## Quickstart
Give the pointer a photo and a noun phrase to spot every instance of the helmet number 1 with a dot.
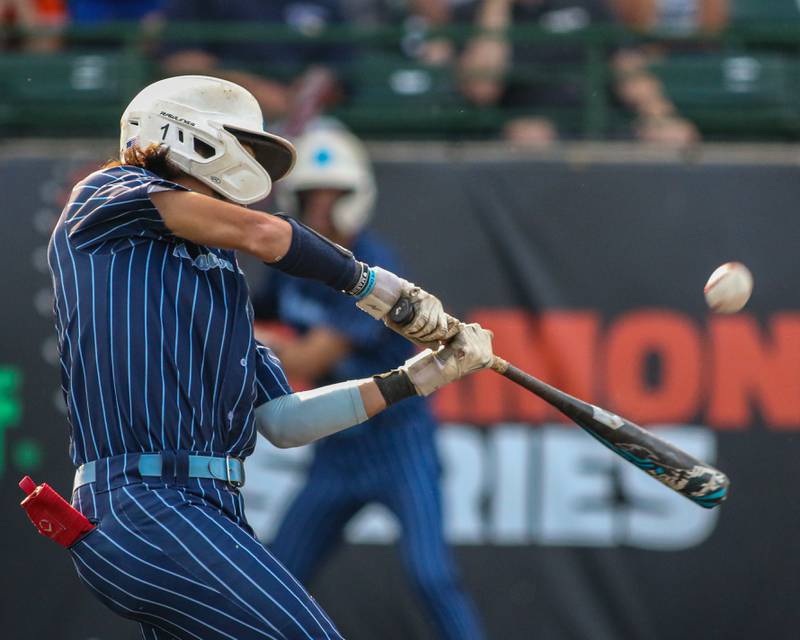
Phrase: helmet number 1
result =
(165, 128)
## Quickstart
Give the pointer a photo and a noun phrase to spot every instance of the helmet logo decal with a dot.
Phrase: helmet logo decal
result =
(323, 157)
(166, 114)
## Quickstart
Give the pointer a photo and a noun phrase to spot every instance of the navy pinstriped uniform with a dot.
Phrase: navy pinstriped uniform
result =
(158, 355)
(390, 459)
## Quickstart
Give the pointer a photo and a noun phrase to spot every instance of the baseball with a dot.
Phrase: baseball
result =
(729, 288)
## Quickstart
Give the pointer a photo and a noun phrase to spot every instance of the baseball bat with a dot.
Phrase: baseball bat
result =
(313, 93)
(673, 467)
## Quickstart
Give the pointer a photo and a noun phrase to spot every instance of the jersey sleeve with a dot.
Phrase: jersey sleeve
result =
(271, 381)
(114, 204)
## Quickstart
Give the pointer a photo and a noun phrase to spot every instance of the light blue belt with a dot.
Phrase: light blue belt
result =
(227, 469)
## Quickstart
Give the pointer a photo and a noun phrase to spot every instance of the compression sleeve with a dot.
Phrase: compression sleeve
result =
(300, 418)
(313, 256)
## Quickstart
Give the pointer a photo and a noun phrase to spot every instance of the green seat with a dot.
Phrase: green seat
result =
(67, 94)
(748, 11)
(738, 94)
(393, 95)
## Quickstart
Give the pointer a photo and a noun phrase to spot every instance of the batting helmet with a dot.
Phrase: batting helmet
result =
(204, 122)
(329, 156)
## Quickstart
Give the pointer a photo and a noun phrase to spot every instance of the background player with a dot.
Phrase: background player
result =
(164, 382)
(392, 458)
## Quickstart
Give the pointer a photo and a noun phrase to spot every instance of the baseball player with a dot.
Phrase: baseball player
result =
(166, 386)
(391, 459)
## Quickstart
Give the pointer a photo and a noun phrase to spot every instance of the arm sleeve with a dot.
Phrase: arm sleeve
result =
(116, 204)
(301, 418)
(271, 381)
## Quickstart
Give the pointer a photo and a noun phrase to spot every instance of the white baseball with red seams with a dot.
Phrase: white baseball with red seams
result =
(729, 288)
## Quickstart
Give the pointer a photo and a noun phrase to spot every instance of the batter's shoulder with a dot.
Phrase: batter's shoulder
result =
(122, 175)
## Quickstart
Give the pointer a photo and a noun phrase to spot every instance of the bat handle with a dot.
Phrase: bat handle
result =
(402, 312)
(499, 365)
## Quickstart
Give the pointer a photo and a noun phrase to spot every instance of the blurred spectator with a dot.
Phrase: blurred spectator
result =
(677, 16)
(489, 58)
(47, 15)
(384, 12)
(418, 17)
(636, 86)
(274, 72)
(94, 11)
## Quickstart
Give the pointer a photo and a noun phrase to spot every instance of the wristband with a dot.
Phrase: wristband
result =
(395, 385)
(366, 283)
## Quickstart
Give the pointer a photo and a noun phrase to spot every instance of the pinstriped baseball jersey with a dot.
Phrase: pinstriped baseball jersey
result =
(155, 333)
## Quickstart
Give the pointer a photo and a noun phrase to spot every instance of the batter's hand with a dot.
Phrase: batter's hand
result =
(430, 324)
(469, 351)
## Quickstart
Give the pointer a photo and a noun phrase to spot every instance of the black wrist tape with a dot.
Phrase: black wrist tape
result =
(313, 256)
(395, 385)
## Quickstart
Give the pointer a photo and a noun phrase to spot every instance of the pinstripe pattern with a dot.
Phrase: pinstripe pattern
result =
(158, 355)
(188, 567)
(157, 351)
(391, 459)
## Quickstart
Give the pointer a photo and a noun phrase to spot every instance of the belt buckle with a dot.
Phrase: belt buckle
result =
(236, 484)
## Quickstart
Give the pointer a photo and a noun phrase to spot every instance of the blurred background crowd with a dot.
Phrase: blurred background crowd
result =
(533, 72)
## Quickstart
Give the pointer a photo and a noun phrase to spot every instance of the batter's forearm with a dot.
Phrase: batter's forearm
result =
(211, 222)
(304, 417)
(281, 242)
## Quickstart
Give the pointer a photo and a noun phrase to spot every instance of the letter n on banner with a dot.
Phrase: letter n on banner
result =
(673, 341)
(751, 370)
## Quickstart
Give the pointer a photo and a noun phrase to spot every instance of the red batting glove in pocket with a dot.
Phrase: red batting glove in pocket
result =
(53, 516)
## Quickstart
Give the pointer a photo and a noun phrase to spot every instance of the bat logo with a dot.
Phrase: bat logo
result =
(611, 420)
(699, 481)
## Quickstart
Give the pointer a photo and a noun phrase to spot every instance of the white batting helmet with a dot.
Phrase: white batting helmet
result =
(329, 156)
(204, 122)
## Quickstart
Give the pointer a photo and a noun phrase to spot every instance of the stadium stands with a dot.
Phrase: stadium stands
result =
(746, 85)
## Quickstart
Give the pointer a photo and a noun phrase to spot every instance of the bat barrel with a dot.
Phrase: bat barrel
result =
(673, 467)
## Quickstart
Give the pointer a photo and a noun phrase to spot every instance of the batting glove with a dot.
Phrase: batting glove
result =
(469, 351)
(430, 324)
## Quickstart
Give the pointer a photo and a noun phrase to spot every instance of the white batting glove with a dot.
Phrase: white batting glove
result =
(430, 323)
(470, 350)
